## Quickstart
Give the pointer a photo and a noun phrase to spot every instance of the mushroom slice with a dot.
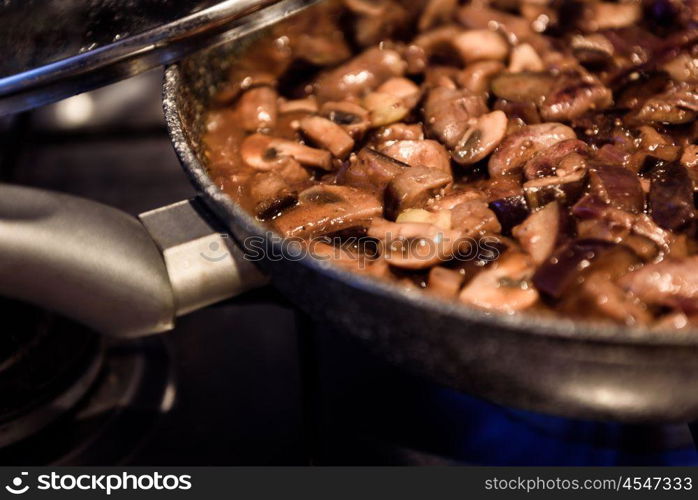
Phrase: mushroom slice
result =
(517, 148)
(525, 58)
(474, 218)
(385, 109)
(671, 283)
(270, 194)
(257, 108)
(412, 188)
(263, 152)
(419, 154)
(439, 218)
(436, 12)
(504, 287)
(350, 116)
(327, 134)
(325, 209)
(481, 138)
(385, 136)
(443, 282)
(573, 96)
(525, 86)
(564, 189)
(361, 75)
(478, 16)
(447, 113)
(415, 245)
(560, 159)
(689, 158)
(372, 170)
(402, 88)
(592, 49)
(481, 45)
(543, 231)
(599, 16)
(307, 105)
(476, 77)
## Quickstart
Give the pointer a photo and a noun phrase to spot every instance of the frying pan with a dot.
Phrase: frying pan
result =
(129, 277)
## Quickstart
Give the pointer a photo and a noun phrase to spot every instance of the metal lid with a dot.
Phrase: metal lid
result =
(52, 49)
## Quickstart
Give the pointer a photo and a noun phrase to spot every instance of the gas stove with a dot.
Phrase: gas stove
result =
(248, 382)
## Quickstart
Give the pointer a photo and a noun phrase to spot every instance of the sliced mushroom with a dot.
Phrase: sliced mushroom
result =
(566, 189)
(270, 194)
(525, 86)
(592, 49)
(481, 45)
(504, 287)
(517, 148)
(350, 116)
(447, 113)
(263, 152)
(566, 156)
(475, 15)
(325, 209)
(372, 170)
(671, 283)
(477, 76)
(327, 134)
(444, 282)
(461, 47)
(525, 58)
(598, 16)
(543, 231)
(385, 136)
(308, 105)
(412, 188)
(257, 109)
(377, 20)
(402, 88)
(385, 109)
(436, 12)
(474, 218)
(415, 245)
(439, 218)
(689, 158)
(574, 95)
(419, 154)
(359, 76)
(676, 105)
(481, 138)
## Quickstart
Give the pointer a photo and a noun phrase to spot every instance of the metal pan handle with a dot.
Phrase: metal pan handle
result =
(112, 272)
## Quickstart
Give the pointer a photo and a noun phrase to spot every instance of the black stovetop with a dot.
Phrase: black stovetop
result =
(250, 381)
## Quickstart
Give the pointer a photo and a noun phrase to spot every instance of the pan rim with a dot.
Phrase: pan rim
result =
(532, 325)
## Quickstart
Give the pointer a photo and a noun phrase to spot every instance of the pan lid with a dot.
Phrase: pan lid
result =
(52, 49)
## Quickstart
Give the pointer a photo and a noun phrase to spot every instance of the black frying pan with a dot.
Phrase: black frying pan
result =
(119, 283)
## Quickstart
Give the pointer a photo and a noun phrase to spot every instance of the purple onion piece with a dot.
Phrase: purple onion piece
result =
(562, 270)
(511, 211)
(671, 197)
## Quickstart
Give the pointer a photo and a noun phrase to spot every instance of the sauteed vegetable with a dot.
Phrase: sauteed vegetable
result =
(514, 155)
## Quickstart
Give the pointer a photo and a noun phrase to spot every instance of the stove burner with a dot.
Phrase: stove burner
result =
(45, 369)
(71, 397)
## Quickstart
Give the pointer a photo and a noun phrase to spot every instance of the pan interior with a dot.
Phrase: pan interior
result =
(188, 91)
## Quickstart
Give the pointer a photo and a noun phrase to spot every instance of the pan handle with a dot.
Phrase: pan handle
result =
(112, 272)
